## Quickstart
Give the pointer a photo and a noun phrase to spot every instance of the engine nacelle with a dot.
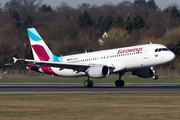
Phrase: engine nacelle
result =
(98, 71)
(143, 73)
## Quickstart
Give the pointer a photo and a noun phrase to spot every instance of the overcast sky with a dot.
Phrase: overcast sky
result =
(74, 3)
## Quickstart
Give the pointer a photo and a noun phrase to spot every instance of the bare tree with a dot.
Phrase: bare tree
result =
(156, 26)
(124, 9)
(83, 7)
(166, 20)
(64, 9)
(0, 6)
(107, 9)
(13, 5)
(32, 5)
(94, 10)
(23, 7)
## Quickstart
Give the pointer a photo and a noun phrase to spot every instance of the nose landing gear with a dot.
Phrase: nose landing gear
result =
(155, 77)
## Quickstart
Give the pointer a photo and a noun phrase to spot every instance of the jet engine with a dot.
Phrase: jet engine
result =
(98, 71)
(143, 73)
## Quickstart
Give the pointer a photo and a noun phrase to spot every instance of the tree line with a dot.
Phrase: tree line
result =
(69, 30)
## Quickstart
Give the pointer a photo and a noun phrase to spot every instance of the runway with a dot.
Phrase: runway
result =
(99, 88)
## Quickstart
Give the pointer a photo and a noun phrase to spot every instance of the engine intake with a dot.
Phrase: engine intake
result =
(98, 71)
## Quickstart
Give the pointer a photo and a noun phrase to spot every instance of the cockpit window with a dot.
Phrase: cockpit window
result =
(164, 49)
(161, 49)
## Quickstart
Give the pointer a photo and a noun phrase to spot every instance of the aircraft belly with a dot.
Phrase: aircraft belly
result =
(68, 73)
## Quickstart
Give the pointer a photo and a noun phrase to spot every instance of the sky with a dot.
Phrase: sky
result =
(74, 3)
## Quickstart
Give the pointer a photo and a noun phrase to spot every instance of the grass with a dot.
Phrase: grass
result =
(108, 80)
(89, 106)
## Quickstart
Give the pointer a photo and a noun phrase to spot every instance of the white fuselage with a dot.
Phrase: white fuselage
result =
(122, 59)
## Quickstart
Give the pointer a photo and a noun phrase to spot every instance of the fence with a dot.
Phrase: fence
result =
(162, 73)
(24, 73)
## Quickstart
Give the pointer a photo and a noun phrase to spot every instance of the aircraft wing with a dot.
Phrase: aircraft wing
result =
(62, 65)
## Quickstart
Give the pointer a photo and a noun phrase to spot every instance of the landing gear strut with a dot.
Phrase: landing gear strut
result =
(119, 83)
(88, 83)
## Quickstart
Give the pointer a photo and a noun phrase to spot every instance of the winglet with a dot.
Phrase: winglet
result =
(150, 42)
(15, 60)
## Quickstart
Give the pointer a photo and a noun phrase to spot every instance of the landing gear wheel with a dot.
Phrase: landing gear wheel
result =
(88, 83)
(119, 83)
(155, 77)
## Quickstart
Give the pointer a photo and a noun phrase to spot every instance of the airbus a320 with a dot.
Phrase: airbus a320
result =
(141, 60)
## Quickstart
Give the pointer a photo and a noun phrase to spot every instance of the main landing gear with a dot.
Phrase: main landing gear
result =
(119, 83)
(88, 83)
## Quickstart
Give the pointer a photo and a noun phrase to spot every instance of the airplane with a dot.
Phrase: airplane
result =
(141, 60)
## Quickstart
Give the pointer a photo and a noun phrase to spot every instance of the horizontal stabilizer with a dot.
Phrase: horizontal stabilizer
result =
(24, 65)
(62, 65)
(15, 60)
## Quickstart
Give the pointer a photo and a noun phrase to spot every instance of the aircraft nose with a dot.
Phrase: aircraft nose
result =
(171, 56)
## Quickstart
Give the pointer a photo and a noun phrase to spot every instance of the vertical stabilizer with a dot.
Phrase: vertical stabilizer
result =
(39, 48)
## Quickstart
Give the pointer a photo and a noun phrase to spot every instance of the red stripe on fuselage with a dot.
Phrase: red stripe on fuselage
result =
(48, 70)
(33, 68)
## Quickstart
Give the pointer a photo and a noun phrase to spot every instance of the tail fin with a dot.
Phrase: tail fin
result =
(39, 48)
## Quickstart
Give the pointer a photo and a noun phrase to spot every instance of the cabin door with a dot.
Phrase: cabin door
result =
(145, 52)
